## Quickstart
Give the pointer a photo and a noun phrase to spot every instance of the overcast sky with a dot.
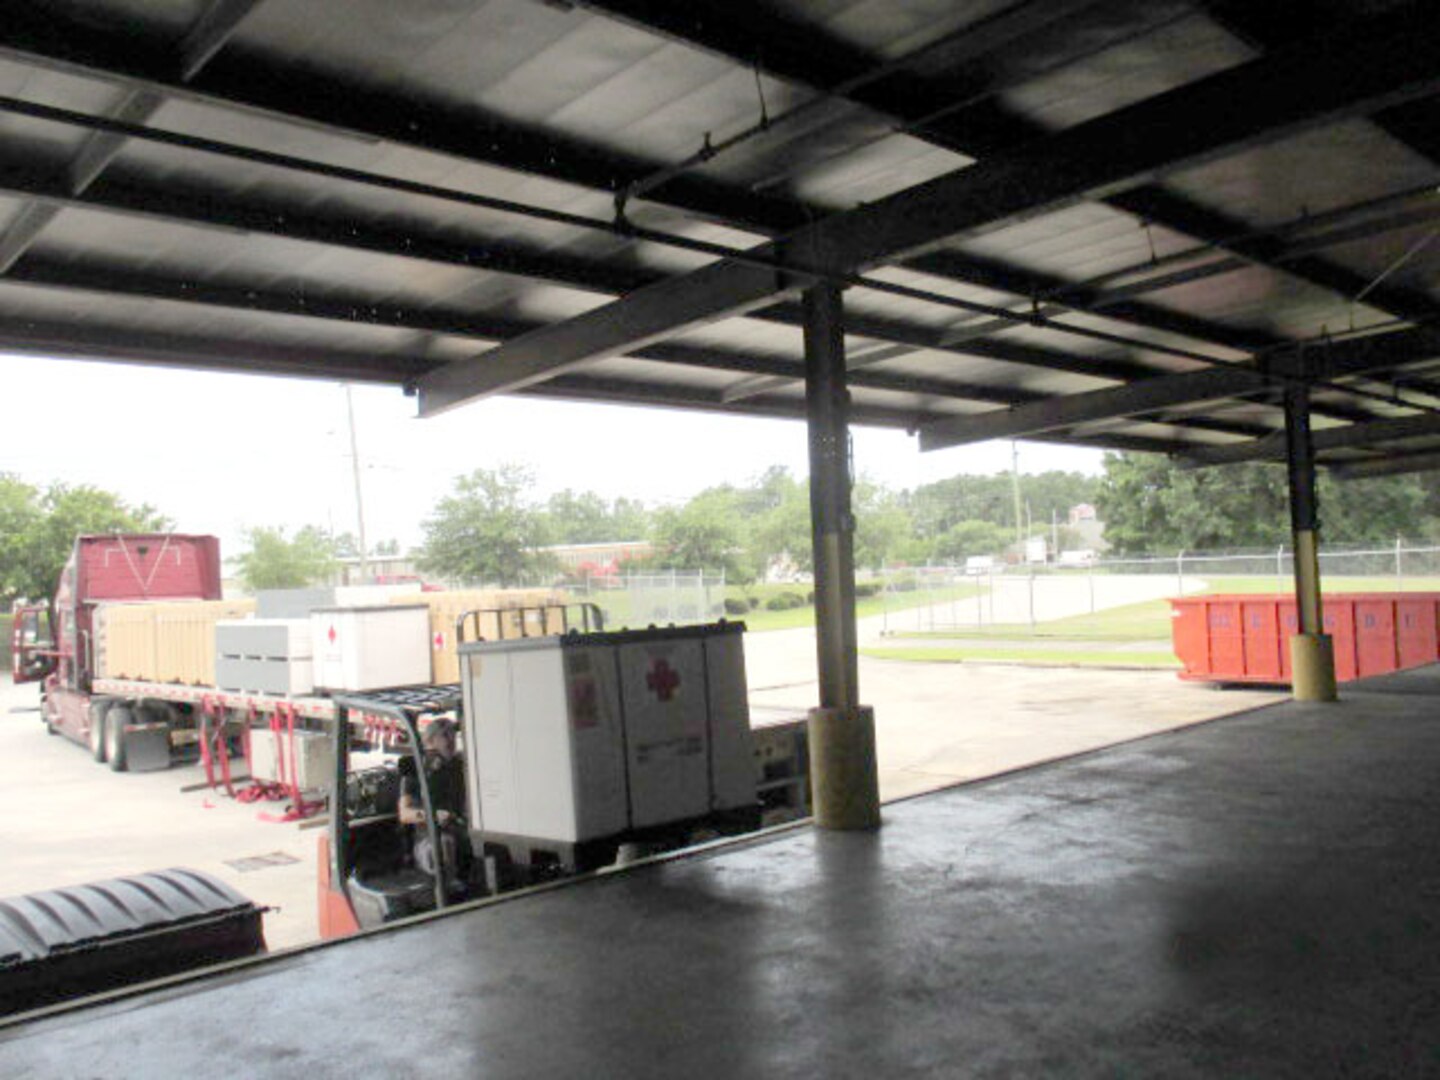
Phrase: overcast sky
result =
(222, 453)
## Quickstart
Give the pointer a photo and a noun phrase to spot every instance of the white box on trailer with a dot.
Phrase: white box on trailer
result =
(308, 757)
(370, 648)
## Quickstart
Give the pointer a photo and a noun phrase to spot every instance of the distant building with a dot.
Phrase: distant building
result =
(599, 560)
(379, 570)
(1087, 528)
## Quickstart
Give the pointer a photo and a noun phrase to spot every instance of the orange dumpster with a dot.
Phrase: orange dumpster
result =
(1246, 638)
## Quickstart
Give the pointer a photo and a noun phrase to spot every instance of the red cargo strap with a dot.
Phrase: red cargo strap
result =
(298, 809)
(213, 744)
(259, 790)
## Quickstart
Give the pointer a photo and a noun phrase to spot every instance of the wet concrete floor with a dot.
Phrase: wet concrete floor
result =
(1254, 896)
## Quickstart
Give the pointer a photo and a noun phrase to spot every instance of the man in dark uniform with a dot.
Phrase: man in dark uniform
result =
(445, 772)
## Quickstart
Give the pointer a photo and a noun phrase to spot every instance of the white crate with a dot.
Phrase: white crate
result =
(371, 648)
(574, 740)
(310, 757)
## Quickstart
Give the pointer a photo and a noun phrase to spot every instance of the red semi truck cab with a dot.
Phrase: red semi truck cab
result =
(132, 567)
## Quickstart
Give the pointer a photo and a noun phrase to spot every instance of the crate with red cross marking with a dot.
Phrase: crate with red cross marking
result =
(582, 741)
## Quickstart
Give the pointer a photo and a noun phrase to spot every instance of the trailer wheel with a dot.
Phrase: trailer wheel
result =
(99, 710)
(116, 720)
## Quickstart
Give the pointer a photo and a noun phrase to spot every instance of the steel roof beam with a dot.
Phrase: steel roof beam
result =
(578, 386)
(1426, 461)
(1271, 26)
(561, 270)
(172, 206)
(982, 126)
(1312, 83)
(45, 273)
(1086, 300)
(1360, 356)
(1370, 433)
(216, 24)
(196, 210)
(50, 41)
(65, 340)
(587, 275)
(770, 372)
(34, 35)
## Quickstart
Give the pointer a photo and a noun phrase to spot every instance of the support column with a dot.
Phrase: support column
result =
(843, 775)
(1312, 657)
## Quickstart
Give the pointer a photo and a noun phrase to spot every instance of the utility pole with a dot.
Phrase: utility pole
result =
(359, 500)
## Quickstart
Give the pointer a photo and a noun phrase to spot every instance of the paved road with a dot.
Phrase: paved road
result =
(71, 821)
(938, 724)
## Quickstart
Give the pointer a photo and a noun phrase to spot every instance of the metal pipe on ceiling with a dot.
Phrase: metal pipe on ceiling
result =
(625, 229)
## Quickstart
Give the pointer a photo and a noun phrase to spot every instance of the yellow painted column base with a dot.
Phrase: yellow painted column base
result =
(844, 782)
(1312, 668)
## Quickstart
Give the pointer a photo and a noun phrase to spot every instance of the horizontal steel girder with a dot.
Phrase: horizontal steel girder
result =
(1378, 352)
(1428, 461)
(1310, 84)
(1272, 447)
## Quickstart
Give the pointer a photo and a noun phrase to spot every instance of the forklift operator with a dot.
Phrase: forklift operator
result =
(445, 773)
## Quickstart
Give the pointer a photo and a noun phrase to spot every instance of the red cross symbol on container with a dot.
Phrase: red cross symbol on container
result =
(332, 635)
(663, 679)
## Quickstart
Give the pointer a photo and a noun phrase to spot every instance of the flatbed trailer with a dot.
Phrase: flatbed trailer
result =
(224, 717)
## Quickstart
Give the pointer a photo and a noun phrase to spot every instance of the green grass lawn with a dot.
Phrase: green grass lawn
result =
(617, 608)
(1145, 621)
(760, 619)
(1149, 620)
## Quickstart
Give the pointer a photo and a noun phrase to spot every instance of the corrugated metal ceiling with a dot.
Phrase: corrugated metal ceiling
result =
(487, 144)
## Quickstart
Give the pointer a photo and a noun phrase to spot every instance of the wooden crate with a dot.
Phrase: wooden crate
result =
(171, 641)
(446, 607)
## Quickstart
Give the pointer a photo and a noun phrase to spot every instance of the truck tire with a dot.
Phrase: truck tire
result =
(98, 711)
(116, 720)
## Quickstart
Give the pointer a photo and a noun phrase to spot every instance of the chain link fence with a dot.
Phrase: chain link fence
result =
(661, 598)
(933, 598)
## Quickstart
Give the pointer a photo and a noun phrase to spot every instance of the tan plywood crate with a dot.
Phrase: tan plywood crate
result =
(125, 641)
(172, 641)
(446, 607)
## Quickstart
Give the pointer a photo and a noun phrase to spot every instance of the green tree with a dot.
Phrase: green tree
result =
(344, 545)
(704, 534)
(38, 530)
(777, 510)
(587, 518)
(966, 538)
(884, 527)
(487, 531)
(940, 506)
(275, 562)
(1148, 503)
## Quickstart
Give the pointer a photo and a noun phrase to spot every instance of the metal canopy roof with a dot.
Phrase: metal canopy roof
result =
(1120, 223)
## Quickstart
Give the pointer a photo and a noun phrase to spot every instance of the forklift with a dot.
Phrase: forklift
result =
(577, 744)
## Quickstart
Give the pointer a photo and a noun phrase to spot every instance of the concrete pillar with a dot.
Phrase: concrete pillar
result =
(844, 779)
(1312, 657)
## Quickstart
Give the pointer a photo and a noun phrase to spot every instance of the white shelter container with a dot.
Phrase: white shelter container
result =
(583, 741)
(371, 648)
